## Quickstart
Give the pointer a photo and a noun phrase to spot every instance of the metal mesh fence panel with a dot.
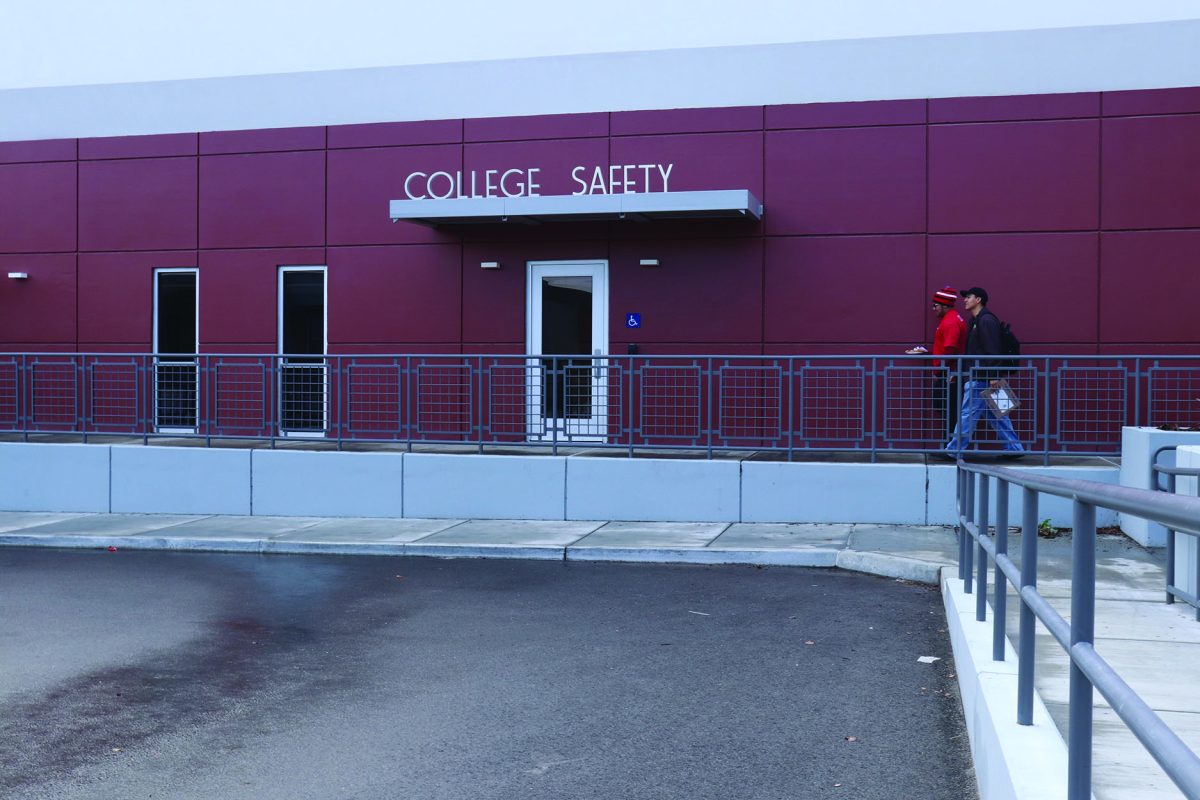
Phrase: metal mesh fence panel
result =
(444, 400)
(920, 404)
(832, 403)
(1175, 396)
(589, 386)
(751, 403)
(303, 397)
(373, 398)
(669, 402)
(54, 394)
(514, 407)
(176, 387)
(113, 395)
(1092, 405)
(240, 398)
(10, 387)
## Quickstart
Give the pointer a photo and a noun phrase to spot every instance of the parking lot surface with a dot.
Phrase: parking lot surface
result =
(182, 675)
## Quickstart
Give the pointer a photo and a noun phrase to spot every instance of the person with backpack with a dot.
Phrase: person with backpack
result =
(985, 337)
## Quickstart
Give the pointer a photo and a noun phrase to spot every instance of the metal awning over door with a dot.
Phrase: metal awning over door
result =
(717, 204)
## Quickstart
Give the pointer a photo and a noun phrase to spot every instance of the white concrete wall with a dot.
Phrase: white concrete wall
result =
(642, 489)
(484, 487)
(1137, 448)
(54, 477)
(308, 484)
(180, 480)
(787, 492)
(197, 480)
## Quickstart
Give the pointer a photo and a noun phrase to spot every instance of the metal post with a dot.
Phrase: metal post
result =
(339, 402)
(555, 366)
(1029, 553)
(960, 502)
(985, 485)
(874, 377)
(708, 425)
(1170, 572)
(476, 381)
(1137, 392)
(627, 410)
(790, 394)
(1000, 599)
(1083, 624)
(82, 395)
(967, 551)
(275, 376)
(1045, 412)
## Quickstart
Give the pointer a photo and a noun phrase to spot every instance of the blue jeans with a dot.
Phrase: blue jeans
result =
(973, 407)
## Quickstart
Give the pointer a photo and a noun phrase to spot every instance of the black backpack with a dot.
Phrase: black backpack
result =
(1010, 346)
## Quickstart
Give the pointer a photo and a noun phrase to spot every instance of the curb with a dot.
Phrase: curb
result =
(532, 552)
(706, 555)
(1012, 762)
(871, 563)
(889, 566)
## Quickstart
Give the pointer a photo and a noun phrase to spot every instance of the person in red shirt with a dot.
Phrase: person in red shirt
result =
(950, 338)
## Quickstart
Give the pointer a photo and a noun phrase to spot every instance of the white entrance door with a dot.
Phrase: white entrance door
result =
(567, 335)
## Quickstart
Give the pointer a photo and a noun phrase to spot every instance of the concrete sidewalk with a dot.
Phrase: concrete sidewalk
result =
(1153, 646)
(893, 551)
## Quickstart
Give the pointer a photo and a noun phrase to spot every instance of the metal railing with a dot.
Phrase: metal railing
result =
(1088, 668)
(1067, 404)
(1173, 473)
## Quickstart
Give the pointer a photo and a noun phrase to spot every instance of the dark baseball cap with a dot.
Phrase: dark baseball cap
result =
(979, 292)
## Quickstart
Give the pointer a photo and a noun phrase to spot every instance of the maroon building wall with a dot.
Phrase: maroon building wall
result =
(1080, 214)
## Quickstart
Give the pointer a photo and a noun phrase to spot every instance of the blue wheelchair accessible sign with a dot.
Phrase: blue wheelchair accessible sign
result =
(633, 320)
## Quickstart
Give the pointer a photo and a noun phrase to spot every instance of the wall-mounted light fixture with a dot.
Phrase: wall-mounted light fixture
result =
(18, 276)
(489, 265)
(648, 262)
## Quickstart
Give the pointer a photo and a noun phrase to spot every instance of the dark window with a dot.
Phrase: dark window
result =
(176, 312)
(567, 330)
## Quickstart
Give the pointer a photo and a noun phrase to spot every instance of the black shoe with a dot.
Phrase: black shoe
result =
(942, 457)
(1015, 455)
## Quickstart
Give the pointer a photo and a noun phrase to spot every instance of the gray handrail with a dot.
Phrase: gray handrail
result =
(1182, 513)
(1088, 668)
(1173, 473)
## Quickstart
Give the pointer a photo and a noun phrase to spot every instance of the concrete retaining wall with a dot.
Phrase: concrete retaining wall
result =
(179, 480)
(306, 484)
(54, 477)
(653, 489)
(197, 480)
(484, 487)
(787, 492)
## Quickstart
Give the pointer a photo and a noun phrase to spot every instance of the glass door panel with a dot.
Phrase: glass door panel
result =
(176, 380)
(303, 373)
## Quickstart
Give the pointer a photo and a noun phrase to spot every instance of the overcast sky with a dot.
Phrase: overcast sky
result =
(66, 42)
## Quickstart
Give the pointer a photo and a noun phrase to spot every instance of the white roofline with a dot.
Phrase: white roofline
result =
(1137, 56)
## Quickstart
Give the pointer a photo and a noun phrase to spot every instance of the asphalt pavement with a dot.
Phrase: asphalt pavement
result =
(150, 674)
